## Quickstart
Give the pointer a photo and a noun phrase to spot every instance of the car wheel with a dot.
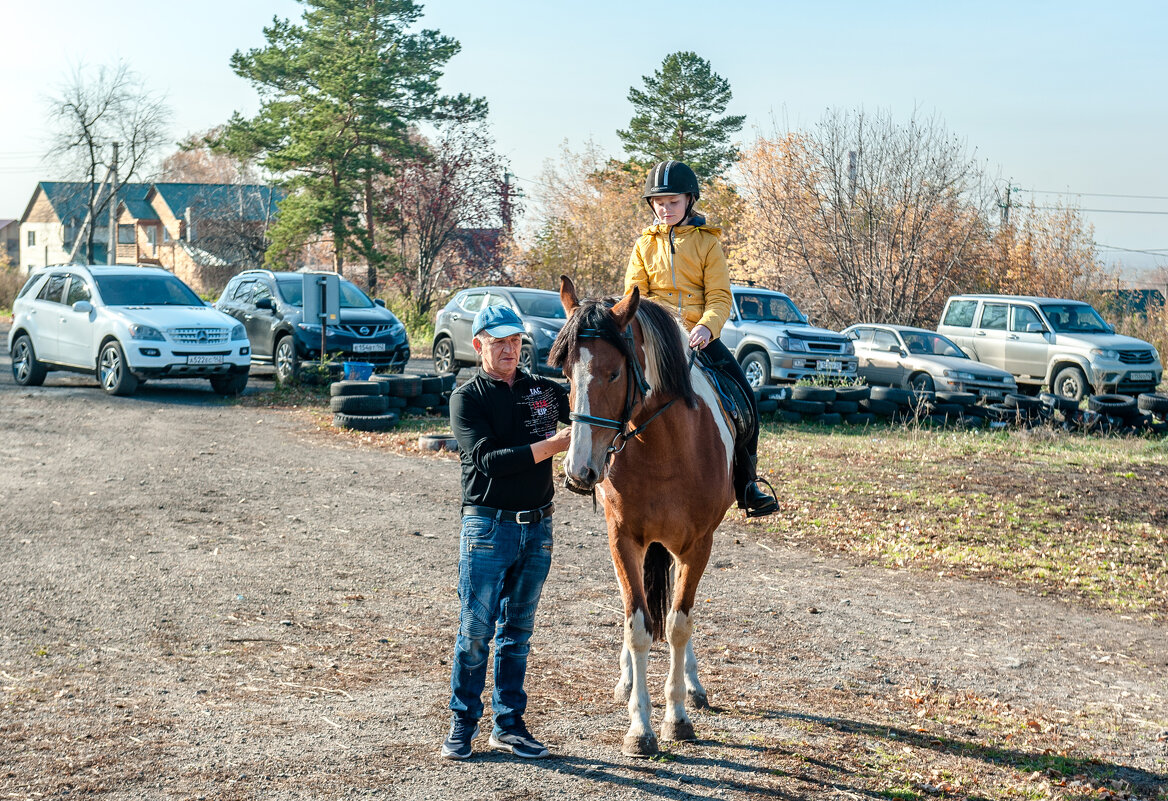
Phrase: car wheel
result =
(921, 382)
(26, 368)
(527, 358)
(1071, 383)
(757, 369)
(444, 361)
(113, 373)
(229, 385)
(287, 360)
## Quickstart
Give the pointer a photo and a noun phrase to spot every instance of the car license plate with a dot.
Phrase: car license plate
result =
(368, 347)
(215, 359)
(1140, 376)
(829, 364)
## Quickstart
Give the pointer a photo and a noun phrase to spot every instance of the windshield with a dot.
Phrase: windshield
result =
(537, 304)
(1074, 318)
(292, 291)
(145, 290)
(931, 344)
(768, 308)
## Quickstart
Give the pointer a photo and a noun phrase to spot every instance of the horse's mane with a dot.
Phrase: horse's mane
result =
(666, 365)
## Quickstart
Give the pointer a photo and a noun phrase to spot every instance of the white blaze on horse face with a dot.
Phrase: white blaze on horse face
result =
(704, 390)
(581, 453)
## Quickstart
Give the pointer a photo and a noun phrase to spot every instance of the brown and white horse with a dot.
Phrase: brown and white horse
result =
(649, 435)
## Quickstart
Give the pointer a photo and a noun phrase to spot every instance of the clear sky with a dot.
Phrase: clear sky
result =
(1059, 96)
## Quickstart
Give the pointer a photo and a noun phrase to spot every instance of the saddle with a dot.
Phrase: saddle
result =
(735, 404)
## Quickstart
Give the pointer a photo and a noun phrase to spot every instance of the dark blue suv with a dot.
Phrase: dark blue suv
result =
(271, 306)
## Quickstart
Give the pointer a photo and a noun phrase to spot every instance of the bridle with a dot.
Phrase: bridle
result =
(635, 384)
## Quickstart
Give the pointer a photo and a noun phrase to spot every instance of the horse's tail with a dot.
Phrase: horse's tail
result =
(658, 577)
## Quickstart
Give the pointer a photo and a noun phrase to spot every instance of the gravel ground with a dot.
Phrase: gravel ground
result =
(204, 600)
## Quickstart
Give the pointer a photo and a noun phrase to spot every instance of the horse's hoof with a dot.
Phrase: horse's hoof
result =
(679, 731)
(622, 693)
(698, 700)
(640, 747)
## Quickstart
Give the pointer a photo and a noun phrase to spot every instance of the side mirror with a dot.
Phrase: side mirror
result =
(265, 303)
(379, 302)
(894, 349)
(1035, 328)
(83, 307)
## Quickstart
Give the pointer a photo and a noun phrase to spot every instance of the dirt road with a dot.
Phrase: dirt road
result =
(202, 600)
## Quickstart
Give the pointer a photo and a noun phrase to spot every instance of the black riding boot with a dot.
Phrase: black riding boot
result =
(751, 496)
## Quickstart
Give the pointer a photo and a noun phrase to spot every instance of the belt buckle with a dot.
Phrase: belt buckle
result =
(527, 517)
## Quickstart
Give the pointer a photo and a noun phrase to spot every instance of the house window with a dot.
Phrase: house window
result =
(152, 239)
(32, 239)
(165, 234)
(126, 234)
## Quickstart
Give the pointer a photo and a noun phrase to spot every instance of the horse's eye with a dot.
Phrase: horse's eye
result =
(612, 378)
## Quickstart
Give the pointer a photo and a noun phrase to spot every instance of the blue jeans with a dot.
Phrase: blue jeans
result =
(501, 571)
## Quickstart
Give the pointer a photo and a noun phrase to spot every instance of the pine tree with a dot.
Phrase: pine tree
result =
(677, 117)
(339, 93)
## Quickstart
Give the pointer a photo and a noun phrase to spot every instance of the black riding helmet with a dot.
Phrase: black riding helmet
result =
(672, 178)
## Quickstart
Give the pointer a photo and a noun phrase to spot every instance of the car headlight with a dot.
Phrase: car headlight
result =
(238, 332)
(310, 327)
(960, 375)
(550, 333)
(791, 345)
(849, 348)
(1106, 353)
(148, 332)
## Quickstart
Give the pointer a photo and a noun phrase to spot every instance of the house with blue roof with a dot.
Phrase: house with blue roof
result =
(204, 233)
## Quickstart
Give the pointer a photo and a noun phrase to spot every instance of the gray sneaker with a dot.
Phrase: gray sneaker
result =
(518, 740)
(457, 744)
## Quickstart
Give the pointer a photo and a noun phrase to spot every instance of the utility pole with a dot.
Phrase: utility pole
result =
(112, 250)
(1006, 207)
(506, 206)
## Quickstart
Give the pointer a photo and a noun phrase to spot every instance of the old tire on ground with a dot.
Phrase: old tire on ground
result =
(365, 422)
(767, 406)
(1121, 406)
(437, 442)
(808, 408)
(113, 373)
(426, 400)
(403, 386)
(1153, 402)
(828, 419)
(788, 416)
(882, 408)
(757, 368)
(27, 369)
(228, 385)
(359, 404)
(901, 397)
(963, 398)
(346, 388)
(432, 385)
(860, 419)
(1071, 382)
(844, 407)
(854, 393)
(802, 392)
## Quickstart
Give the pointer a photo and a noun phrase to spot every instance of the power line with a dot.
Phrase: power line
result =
(1095, 211)
(1149, 251)
(1090, 194)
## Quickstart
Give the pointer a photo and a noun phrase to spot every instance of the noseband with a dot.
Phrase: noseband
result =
(635, 384)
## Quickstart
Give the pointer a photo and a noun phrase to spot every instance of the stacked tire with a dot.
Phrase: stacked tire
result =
(361, 406)
(417, 396)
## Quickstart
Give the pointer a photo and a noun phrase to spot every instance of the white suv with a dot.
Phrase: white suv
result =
(1064, 344)
(123, 324)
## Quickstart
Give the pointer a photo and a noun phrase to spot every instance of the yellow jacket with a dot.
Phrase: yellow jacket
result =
(691, 277)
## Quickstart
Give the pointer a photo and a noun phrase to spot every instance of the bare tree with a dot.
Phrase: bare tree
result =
(93, 109)
(196, 162)
(448, 215)
(878, 219)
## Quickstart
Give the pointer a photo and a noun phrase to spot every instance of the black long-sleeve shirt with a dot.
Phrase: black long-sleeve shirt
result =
(495, 425)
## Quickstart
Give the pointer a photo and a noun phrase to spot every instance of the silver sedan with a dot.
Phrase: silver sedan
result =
(917, 358)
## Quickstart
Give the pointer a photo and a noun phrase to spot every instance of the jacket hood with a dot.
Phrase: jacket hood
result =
(696, 222)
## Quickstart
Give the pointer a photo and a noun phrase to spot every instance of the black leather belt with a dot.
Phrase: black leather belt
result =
(525, 518)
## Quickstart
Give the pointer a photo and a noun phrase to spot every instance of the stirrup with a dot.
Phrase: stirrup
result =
(766, 509)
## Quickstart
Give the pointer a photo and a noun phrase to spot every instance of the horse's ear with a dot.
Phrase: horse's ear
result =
(568, 295)
(624, 310)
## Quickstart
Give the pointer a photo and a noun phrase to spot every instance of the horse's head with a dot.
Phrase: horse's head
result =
(595, 358)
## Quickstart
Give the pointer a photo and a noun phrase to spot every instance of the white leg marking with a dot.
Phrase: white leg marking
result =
(637, 642)
(678, 630)
(692, 684)
(624, 687)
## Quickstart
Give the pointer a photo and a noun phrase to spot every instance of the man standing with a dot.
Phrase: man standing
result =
(505, 422)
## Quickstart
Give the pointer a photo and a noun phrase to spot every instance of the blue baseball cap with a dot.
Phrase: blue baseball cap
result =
(498, 321)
